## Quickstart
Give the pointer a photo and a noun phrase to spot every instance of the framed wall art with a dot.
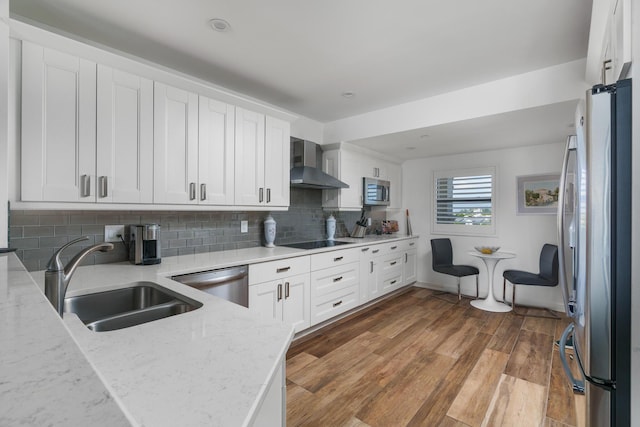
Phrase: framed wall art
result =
(538, 194)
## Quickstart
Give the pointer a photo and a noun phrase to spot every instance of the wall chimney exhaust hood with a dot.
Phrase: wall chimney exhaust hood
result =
(306, 167)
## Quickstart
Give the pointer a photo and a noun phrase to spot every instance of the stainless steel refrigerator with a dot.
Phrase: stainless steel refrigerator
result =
(594, 228)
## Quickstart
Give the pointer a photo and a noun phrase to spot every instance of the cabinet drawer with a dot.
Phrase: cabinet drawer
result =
(408, 244)
(333, 279)
(333, 258)
(335, 303)
(392, 247)
(274, 270)
(391, 263)
(391, 281)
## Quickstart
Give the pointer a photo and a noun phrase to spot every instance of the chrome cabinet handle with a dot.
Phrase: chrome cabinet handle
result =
(286, 290)
(283, 269)
(394, 247)
(371, 266)
(412, 243)
(394, 263)
(338, 259)
(337, 279)
(606, 65)
(364, 249)
(203, 191)
(376, 251)
(102, 184)
(192, 191)
(335, 304)
(260, 195)
(279, 291)
(406, 258)
(393, 282)
(85, 185)
(268, 195)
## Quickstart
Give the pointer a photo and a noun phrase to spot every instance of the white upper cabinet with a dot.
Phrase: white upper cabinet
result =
(114, 131)
(616, 47)
(277, 161)
(58, 126)
(216, 152)
(351, 167)
(261, 160)
(621, 38)
(175, 145)
(124, 163)
(249, 171)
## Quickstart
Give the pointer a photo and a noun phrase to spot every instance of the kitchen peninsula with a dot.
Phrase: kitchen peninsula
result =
(218, 365)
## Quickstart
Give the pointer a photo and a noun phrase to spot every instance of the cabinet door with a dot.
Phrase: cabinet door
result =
(249, 161)
(352, 170)
(331, 166)
(266, 299)
(124, 164)
(410, 269)
(58, 126)
(216, 152)
(297, 302)
(175, 145)
(277, 162)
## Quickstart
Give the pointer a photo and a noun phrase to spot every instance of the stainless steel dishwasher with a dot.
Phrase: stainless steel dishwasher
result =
(230, 283)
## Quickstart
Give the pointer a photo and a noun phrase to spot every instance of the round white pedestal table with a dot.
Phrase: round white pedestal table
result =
(490, 261)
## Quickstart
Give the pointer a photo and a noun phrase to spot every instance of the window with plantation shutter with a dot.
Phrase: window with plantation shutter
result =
(464, 202)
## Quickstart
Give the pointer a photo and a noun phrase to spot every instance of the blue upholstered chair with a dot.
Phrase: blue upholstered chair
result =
(442, 262)
(548, 276)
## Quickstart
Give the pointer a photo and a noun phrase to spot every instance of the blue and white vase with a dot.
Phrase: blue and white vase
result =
(331, 227)
(269, 232)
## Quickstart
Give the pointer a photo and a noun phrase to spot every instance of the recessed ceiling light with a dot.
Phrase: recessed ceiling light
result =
(424, 136)
(219, 25)
(348, 94)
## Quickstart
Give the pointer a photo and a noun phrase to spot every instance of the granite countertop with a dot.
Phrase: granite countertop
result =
(210, 366)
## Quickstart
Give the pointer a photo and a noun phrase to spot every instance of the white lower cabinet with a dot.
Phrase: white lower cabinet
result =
(410, 268)
(273, 410)
(305, 291)
(390, 272)
(285, 296)
(335, 283)
(369, 268)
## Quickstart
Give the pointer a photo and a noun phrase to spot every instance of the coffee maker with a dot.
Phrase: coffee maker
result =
(144, 244)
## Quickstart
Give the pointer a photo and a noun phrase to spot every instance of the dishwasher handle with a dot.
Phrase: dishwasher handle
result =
(208, 279)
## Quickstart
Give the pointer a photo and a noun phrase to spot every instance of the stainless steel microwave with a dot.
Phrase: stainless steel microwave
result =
(376, 192)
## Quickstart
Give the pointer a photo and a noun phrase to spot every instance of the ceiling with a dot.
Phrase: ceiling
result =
(534, 126)
(302, 55)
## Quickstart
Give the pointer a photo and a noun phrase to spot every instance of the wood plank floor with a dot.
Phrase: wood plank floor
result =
(418, 360)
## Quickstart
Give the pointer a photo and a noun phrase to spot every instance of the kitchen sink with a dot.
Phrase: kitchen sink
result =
(134, 304)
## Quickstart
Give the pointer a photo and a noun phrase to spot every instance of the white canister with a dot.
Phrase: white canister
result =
(331, 227)
(269, 231)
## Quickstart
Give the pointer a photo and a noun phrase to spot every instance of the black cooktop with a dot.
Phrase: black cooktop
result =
(316, 244)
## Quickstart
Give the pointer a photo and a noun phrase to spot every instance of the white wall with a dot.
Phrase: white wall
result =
(522, 234)
(306, 128)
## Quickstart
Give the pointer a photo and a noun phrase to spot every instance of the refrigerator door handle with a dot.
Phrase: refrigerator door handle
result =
(576, 385)
(567, 295)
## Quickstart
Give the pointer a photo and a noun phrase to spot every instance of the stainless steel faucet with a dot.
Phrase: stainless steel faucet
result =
(57, 276)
